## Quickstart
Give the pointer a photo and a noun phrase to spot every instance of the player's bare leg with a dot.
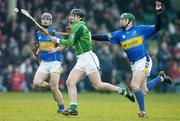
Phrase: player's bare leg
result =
(97, 83)
(148, 86)
(143, 87)
(137, 80)
(54, 86)
(73, 78)
(39, 80)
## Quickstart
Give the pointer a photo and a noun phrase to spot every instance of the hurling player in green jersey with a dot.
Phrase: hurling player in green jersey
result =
(87, 62)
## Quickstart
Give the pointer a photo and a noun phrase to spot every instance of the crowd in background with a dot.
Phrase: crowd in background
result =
(17, 65)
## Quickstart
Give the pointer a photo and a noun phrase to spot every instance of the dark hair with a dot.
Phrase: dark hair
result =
(78, 12)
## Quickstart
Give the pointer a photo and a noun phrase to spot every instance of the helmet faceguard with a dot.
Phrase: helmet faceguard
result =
(47, 16)
(128, 17)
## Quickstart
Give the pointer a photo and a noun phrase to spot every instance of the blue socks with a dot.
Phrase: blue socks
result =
(140, 99)
(151, 84)
(61, 107)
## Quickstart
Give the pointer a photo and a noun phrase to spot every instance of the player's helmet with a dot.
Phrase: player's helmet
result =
(78, 12)
(47, 16)
(128, 16)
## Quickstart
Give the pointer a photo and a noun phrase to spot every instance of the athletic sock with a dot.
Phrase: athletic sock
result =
(151, 84)
(61, 107)
(140, 99)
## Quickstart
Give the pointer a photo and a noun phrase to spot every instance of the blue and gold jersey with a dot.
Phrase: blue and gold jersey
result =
(133, 41)
(44, 44)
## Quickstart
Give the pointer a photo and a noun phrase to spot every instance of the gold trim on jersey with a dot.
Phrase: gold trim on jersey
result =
(132, 42)
(146, 68)
(45, 46)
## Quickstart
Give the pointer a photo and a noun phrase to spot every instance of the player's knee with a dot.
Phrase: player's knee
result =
(53, 88)
(98, 87)
(36, 84)
(70, 83)
(145, 92)
(134, 86)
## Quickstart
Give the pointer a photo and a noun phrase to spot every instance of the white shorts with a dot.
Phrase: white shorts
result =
(87, 62)
(50, 67)
(144, 64)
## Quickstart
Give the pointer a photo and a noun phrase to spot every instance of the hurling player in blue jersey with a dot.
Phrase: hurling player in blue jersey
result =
(50, 61)
(133, 40)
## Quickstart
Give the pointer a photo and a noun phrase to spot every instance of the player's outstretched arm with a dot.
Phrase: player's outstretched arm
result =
(159, 9)
(100, 37)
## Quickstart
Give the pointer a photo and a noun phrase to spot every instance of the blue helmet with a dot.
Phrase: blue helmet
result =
(47, 16)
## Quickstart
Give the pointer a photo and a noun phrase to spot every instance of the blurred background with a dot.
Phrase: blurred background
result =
(17, 65)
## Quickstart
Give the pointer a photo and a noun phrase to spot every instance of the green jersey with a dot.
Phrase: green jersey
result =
(80, 37)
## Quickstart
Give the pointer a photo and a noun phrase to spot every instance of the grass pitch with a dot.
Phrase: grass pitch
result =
(92, 107)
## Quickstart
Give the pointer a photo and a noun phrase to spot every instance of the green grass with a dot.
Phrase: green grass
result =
(92, 107)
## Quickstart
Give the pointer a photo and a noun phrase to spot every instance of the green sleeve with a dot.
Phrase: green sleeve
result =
(67, 42)
(77, 32)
